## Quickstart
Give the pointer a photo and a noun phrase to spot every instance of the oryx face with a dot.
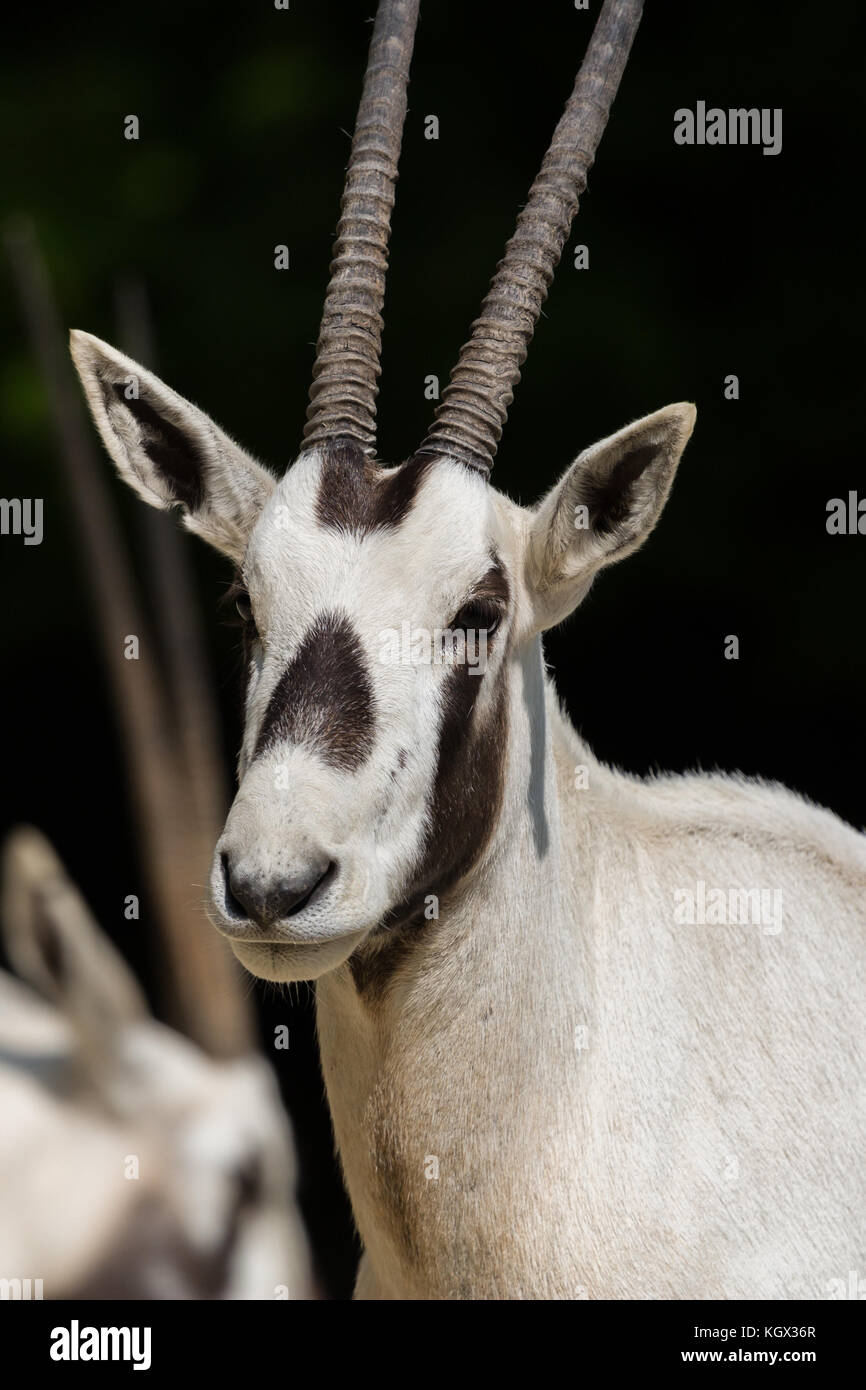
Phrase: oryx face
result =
(378, 607)
(386, 607)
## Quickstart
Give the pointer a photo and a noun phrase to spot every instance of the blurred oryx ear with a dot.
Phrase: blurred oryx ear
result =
(55, 945)
(168, 450)
(603, 508)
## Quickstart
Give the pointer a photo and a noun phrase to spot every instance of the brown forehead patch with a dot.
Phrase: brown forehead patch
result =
(355, 495)
(324, 698)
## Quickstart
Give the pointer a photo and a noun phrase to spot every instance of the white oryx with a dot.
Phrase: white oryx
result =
(132, 1165)
(548, 1077)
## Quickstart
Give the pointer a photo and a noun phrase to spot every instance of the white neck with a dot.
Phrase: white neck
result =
(540, 1096)
(399, 1071)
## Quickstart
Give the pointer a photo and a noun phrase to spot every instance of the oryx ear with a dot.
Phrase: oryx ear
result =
(168, 450)
(603, 508)
(55, 945)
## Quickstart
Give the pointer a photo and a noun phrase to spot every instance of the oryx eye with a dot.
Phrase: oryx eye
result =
(479, 615)
(243, 605)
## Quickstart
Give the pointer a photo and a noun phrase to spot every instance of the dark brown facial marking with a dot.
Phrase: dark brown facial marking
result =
(324, 698)
(173, 454)
(466, 802)
(356, 496)
(493, 585)
(467, 795)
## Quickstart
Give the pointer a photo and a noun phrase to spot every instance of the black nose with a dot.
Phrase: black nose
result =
(265, 900)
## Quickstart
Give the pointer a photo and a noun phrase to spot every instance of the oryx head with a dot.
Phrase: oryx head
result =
(95, 1092)
(387, 607)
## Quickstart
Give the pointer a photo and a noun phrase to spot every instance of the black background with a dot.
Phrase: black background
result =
(703, 262)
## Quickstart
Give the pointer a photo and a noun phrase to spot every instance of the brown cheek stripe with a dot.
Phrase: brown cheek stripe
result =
(467, 790)
(324, 698)
(467, 798)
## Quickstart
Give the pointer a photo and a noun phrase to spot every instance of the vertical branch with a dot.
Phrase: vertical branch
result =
(201, 974)
(169, 572)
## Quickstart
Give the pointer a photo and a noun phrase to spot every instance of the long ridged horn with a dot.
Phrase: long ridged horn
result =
(343, 391)
(469, 421)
